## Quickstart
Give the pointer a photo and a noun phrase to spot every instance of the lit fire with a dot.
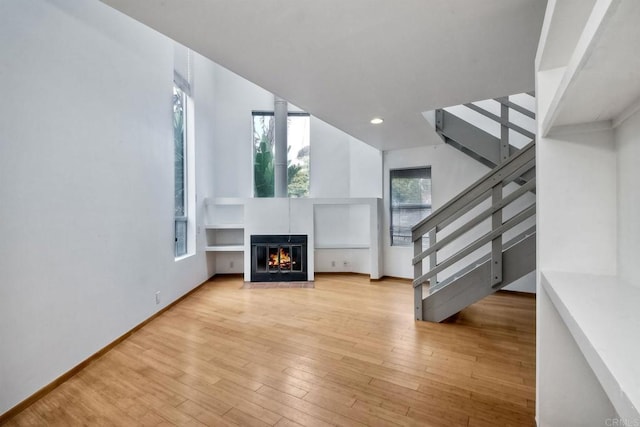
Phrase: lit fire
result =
(285, 260)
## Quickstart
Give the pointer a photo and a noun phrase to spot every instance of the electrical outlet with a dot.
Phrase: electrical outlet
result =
(157, 297)
(346, 263)
(333, 263)
(230, 264)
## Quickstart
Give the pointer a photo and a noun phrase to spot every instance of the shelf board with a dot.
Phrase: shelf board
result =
(225, 248)
(319, 201)
(602, 79)
(224, 226)
(601, 313)
(561, 30)
(228, 201)
(342, 246)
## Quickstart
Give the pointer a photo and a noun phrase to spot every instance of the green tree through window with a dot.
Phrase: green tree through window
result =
(179, 168)
(298, 147)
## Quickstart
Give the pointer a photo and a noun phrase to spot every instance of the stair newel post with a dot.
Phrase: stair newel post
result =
(496, 244)
(504, 133)
(417, 272)
(496, 198)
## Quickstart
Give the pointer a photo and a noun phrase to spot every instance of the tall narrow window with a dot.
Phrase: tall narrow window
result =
(410, 202)
(180, 169)
(298, 146)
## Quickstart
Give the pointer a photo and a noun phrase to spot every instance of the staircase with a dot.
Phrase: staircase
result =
(484, 238)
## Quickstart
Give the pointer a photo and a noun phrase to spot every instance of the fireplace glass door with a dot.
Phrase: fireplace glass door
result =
(278, 258)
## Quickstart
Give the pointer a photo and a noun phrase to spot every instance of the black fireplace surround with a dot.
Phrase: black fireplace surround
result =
(278, 258)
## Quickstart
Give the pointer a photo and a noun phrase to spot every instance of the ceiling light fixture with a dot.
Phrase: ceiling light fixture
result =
(376, 121)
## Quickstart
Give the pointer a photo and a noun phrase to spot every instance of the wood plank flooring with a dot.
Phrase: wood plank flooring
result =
(346, 353)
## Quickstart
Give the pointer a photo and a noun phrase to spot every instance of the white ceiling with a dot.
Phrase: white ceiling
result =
(347, 61)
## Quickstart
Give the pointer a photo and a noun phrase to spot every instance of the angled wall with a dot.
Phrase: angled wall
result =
(86, 177)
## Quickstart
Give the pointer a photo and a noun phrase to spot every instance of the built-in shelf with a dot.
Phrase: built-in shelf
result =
(587, 81)
(601, 313)
(224, 232)
(561, 30)
(225, 248)
(224, 226)
(222, 201)
(342, 246)
(601, 81)
(230, 221)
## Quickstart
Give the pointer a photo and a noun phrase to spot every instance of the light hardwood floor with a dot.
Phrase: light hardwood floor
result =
(345, 353)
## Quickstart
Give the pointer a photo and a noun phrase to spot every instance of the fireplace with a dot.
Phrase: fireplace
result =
(278, 258)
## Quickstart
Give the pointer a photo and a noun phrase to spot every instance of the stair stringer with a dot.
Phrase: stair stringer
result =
(473, 141)
(518, 260)
(461, 134)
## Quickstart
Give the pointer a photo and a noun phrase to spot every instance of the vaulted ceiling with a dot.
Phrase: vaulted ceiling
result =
(347, 61)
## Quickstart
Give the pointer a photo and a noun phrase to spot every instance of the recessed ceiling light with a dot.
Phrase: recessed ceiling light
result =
(376, 121)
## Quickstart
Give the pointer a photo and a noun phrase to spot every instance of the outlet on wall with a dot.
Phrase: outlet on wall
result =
(333, 263)
(157, 297)
(230, 264)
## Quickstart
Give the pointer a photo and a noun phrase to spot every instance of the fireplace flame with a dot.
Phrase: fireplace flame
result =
(281, 258)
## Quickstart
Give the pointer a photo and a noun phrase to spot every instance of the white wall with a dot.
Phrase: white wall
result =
(342, 238)
(577, 229)
(235, 98)
(329, 161)
(451, 172)
(627, 139)
(365, 170)
(86, 176)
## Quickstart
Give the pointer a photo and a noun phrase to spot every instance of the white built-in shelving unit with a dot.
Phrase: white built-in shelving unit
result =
(588, 323)
(587, 58)
(600, 312)
(342, 246)
(345, 230)
(225, 225)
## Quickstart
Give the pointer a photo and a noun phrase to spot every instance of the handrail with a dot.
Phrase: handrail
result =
(530, 185)
(459, 203)
(521, 236)
(505, 101)
(498, 119)
(517, 219)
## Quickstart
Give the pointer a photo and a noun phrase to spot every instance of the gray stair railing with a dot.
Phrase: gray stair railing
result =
(489, 187)
(488, 149)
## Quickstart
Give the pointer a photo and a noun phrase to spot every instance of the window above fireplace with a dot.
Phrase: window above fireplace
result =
(298, 144)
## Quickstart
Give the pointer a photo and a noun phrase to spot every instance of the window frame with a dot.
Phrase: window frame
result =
(269, 113)
(393, 237)
(184, 88)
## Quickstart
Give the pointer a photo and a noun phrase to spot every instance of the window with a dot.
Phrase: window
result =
(410, 202)
(180, 169)
(298, 144)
